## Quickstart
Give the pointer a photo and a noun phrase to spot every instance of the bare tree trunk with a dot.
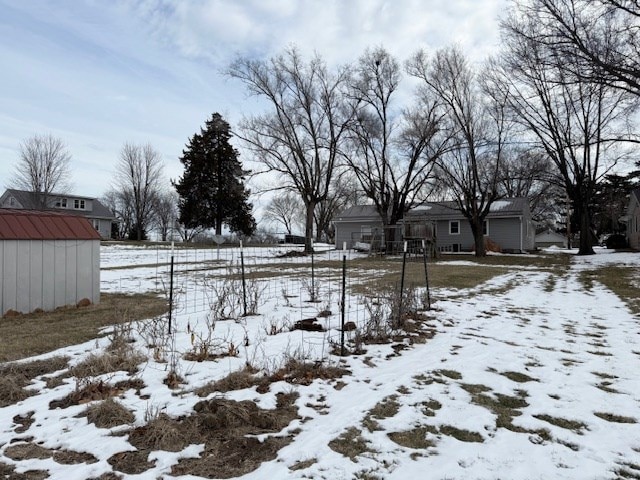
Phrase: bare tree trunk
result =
(308, 228)
(586, 245)
(478, 238)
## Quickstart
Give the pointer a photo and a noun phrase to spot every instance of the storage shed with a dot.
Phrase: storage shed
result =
(47, 260)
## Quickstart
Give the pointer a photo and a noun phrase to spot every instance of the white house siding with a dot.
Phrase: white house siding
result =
(48, 273)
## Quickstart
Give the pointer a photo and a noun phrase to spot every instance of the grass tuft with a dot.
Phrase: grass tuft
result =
(573, 425)
(109, 413)
(350, 444)
(613, 418)
(414, 438)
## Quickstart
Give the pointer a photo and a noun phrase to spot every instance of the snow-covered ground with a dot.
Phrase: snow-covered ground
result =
(529, 376)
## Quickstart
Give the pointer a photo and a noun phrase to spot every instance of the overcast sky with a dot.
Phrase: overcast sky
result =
(98, 73)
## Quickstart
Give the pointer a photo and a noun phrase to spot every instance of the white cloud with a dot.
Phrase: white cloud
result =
(99, 73)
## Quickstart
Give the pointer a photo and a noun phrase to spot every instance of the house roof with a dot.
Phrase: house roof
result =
(358, 212)
(38, 225)
(499, 208)
(29, 200)
(435, 210)
(550, 236)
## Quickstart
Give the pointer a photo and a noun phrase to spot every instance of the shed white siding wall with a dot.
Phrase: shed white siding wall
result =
(48, 273)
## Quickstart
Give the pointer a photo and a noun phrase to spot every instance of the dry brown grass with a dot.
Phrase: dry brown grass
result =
(125, 359)
(38, 333)
(15, 376)
(109, 413)
(612, 417)
(620, 280)
(237, 380)
(25, 451)
(224, 427)
(414, 438)
(351, 444)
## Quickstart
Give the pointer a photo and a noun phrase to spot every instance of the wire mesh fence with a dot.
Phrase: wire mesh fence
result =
(341, 293)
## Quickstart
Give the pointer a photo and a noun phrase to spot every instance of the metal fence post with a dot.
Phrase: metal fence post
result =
(426, 273)
(344, 296)
(313, 276)
(404, 266)
(171, 290)
(244, 283)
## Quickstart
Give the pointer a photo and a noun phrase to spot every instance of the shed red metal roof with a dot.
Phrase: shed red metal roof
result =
(38, 225)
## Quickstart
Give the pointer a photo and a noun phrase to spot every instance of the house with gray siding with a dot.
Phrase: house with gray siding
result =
(100, 217)
(508, 225)
(360, 223)
(47, 260)
(632, 218)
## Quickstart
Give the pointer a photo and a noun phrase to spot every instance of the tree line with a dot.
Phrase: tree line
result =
(549, 117)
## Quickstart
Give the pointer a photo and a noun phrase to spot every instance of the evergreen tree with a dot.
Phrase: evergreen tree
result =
(212, 191)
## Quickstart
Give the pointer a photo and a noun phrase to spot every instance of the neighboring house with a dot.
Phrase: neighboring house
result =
(549, 238)
(508, 225)
(47, 260)
(100, 217)
(360, 223)
(632, 218)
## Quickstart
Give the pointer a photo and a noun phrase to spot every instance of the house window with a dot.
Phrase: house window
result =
(61, 203)
(96, 224)
(454, 227)
(12, 202)
(78, 204)
(365, 233)
(485, 227)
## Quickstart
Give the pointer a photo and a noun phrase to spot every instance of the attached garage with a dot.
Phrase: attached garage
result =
(47, 260)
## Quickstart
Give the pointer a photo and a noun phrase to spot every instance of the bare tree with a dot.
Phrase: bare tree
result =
(601, 37)
(138, 180)
(474, 112)
(285, 209)
(121, 205)
(394, 151)
(577, 122)
(165, 209)
(301, 138)
(527, 172)
(43, 168)
(344, 193)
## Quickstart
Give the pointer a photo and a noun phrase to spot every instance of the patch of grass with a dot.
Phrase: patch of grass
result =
(350, 444)
(450, 374)
(109, 413)
(414, 438)
(238, 380)
(25, 451)
(8, 472)
(573, 425)
(612, 417)
(475, 388)
(302, 464)
(430, 406)
(605, 387)
(124, 359)
(629, 470)
(38, 333)
(15, 376)
(461, 434)
(388, 407)
(303, 373)
(618, 279)
(518, 377)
